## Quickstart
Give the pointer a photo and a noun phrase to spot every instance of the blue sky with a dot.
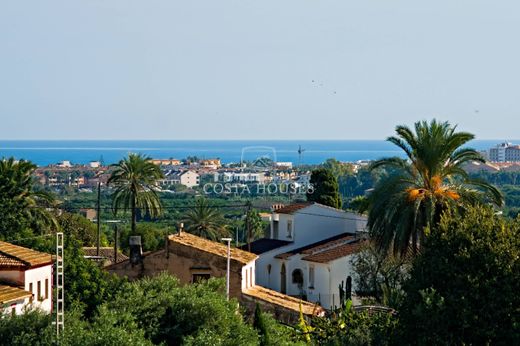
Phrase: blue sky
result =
(243, 69)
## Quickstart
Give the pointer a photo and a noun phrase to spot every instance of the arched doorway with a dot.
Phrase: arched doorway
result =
(283, 279)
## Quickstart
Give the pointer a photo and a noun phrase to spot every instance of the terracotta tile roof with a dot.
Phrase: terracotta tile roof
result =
(318, 246)
(212, 247)
(262, 245)
(6, 261)
(10, 294)
(290, 209)
(16, 254)
(335, 252)
(283, 300)
(106, 252)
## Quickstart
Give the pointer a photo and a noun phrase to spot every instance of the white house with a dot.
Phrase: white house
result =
(309, 251)
(187, 178)
(25, 279)
(240, 177)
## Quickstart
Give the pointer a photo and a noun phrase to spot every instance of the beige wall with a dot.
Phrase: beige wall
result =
(182, 262)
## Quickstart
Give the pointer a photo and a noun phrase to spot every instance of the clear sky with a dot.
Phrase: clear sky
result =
(262, 69)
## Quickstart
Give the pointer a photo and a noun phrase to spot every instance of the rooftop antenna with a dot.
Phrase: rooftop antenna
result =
(300, 154)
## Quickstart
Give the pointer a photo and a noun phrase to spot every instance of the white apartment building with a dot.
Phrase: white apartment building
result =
(187, 178)
(504, 152)
(240, 177)
(25, 279)
(309, 251)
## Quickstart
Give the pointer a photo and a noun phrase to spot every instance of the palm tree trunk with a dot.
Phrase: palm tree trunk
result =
(134, 215)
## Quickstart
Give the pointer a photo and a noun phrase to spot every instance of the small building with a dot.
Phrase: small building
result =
(187, 178)
(25, 279)
(107, 255)
(191, 258)
(166, 162)
(211, 163)
(89, 213)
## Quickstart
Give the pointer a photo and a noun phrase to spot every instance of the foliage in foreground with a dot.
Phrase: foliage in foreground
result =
(464, 287)
(348, 327)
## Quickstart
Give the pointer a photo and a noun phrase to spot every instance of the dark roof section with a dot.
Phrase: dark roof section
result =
(105, 252)
(290, 209)
(337, 240)
(260, 246)
(335, 252)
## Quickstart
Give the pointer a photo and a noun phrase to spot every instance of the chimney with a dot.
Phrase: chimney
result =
(136, 251)
(181, 228)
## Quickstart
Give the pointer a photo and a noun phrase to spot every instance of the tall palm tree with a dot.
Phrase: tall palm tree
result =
(135, 181)
(205, 220)
(20, 204)
(404, 205)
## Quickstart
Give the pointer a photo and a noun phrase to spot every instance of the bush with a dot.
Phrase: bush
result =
(464, 286)
(173, 314)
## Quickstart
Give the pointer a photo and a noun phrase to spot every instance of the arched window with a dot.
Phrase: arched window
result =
(297, 277)
(283, 280)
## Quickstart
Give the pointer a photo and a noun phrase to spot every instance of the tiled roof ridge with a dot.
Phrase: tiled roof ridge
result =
(212, 247)
(307, 249)
(331, 245)
(25, 255)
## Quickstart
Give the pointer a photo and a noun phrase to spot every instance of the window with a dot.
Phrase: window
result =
(250, 277)
(297, 277)
(39, 287)
(289, 228)
(13, 310)
(31, 290)
(275, 229)
(199, 277)
(46, 288)
(311, 277)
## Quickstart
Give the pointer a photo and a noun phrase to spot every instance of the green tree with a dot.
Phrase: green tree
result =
(406, 203)
(78, 227)
(463, 288)
(376, 271)
(23, 209)
(205, 220)
(135, 181)
(174, 314)
(326, 189)
(86, 283)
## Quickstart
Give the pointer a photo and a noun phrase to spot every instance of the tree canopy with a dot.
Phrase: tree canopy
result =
(412, 199)
(325, 188)
(463, 287)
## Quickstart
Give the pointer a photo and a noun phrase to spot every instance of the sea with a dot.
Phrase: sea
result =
(45, 152)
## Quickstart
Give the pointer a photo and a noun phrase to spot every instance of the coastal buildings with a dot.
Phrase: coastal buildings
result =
(309, 251)
(504, 152)
(25, 279)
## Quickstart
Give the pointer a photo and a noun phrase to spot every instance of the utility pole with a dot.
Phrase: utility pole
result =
(248, 225)
(116, 236)
(60, 301)
(228, 240)
(98, 215)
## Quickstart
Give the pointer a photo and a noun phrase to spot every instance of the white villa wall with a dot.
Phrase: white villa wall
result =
(35, 275)
(248, 275)
(190, 179)
(19, 307)
(309, 225)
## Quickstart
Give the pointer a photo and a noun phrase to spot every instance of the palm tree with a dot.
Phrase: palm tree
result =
(135, 186)
(404, 205)
(205, 220)
(20, 203)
